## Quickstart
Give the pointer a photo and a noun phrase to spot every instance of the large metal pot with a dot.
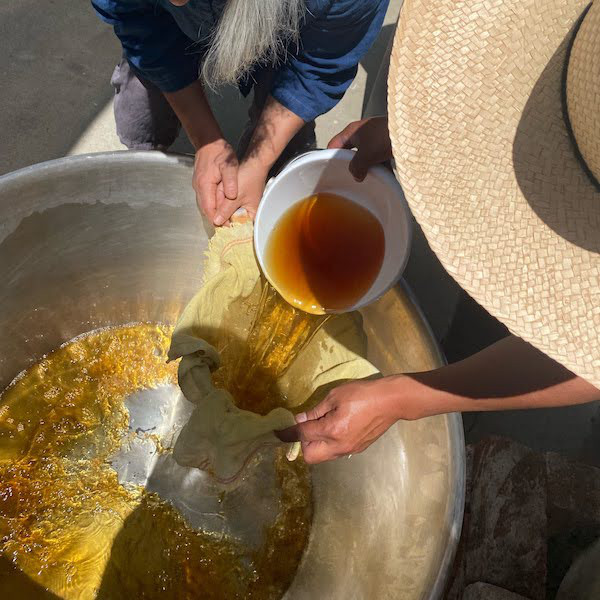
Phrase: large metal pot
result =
(112, 238)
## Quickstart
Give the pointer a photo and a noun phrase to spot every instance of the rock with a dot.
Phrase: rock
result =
(485, 591)
(528, 516)
(573, 512)
(583, 579)
(573, 493)
(507, 527)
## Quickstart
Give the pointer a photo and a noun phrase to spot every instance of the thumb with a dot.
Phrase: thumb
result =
(229, 178)
(320, 410)
(359, 165)
(220, 217)
(309, 431)
(345, 138)
(309, 425)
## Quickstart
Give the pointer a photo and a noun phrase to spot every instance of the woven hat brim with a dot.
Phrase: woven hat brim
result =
(486, 163)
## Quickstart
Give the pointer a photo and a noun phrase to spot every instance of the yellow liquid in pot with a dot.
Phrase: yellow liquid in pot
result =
(69, 528)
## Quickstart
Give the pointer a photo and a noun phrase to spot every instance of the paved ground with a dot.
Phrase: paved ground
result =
(56, 100)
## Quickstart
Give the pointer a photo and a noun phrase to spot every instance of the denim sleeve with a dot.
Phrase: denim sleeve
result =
(153, 44)
(315, 78)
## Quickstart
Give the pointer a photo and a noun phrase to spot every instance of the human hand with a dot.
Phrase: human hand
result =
(352, 417)
(215, 177)
(371, 138)
(251, 179)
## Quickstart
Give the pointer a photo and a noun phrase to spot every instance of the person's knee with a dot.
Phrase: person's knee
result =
(144, 118)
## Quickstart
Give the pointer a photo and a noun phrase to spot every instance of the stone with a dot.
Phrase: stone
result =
(485, 591)
(573, 511)
(583, 579)
(573, 492)
(507, 527)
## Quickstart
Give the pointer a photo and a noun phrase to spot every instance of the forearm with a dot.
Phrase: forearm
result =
(276, 126)
(191, 106)
(510, 374)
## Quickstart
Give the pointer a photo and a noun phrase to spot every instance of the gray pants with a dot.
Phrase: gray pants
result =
(146, 121)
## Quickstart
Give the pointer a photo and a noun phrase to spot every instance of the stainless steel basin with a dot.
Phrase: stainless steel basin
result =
(108, 239)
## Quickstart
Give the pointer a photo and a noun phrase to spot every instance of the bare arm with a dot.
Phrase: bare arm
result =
(221, 185)
(510, 374)
(216, 164)
(192, 108)
(277, 125)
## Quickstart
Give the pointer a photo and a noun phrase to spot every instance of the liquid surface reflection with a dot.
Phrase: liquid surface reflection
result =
(72, 528)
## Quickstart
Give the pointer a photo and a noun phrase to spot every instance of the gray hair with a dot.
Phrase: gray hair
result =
(251, 32)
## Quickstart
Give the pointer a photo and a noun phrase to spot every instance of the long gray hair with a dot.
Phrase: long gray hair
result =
(251, 32)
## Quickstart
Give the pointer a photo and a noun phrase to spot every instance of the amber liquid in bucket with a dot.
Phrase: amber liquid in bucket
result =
(325, 253)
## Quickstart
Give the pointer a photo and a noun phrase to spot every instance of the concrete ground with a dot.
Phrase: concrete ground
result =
(56, 100)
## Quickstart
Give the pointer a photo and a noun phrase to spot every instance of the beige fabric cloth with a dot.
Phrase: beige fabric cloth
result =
(219, 437)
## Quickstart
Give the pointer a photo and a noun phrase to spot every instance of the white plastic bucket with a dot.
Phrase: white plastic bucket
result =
(327, 171)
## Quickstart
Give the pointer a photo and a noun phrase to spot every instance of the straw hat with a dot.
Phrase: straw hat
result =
(495, 124)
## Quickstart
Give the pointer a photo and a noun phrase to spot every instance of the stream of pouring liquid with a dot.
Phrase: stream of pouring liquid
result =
(278, 334)
(325, 252)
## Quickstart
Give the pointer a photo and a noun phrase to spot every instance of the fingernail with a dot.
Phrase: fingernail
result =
(219, 220)
(301, 418)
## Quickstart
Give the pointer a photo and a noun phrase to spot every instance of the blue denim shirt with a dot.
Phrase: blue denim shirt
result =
(165, 43)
